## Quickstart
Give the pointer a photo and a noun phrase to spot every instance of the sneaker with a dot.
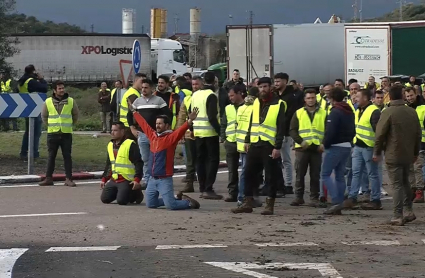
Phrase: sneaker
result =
(419, 196)
(383, 192)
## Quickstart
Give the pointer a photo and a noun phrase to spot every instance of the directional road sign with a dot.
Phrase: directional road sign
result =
(137, 56)
(21, 105)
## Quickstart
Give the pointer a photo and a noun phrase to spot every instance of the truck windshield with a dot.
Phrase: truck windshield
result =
(179, 56)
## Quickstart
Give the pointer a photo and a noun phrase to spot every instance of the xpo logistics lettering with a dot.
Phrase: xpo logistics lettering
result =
(102, 50)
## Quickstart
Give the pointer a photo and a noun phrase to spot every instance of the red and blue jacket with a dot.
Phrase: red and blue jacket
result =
(162, 147)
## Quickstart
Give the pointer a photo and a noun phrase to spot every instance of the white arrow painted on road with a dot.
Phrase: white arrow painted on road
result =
(8, 258)
(21, 105)
(3, 105)
(39, 101)
(327, 270)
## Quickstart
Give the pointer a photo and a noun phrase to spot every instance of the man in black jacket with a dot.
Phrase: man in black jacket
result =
(294, 101)
(262, 145)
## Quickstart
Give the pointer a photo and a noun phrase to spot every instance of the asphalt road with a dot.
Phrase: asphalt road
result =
(133, 241)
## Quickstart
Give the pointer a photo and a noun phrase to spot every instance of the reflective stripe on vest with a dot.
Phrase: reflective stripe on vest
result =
(124, 105)
(24, 87)
(231, 123)
(112, 95)
(201, 126)
(311, 131)
(121, 165)
(364, 130)
(420, 110)
(266, 131)
(243, 118)
(59, 122)
(5, 86)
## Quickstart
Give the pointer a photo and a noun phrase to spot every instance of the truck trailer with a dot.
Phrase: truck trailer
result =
(93, 58)
(312, 54)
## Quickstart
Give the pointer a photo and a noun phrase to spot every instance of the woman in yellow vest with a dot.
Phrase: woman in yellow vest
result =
(59, 113)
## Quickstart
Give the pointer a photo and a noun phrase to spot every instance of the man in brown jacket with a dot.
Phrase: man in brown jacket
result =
(104, 99)
(59, 113)
(398, 133)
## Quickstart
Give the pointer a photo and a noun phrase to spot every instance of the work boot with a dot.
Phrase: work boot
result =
(364, 198)
(297, 202)
(188, 188)
(397, 221)
(211, 195)
(409, 216)
(374, 205)
(231, 199)
(70, 183)
(246, 206)
(350, 203)
(46, 182)
(192, 202)
(419, 196)
(139, 197)
(269, 209)
(314, 203)
(334, 210)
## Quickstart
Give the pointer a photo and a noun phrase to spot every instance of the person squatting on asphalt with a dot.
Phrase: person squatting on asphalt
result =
(123, 170)
(161, 162)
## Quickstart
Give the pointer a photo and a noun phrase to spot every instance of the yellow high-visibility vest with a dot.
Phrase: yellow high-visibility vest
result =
(350, 103)
(124, 105)
(266, 131)
(420, 110)
(186, 101)
(364, 130)
(231, 123)
(24, 87)
(5, 86)
(59, 122)
(112, 94)
(311, 131)
(201, 126)
(121, 165)
(376, 85)
(243, 118)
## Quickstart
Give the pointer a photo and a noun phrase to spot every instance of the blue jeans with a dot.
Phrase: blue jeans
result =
(335, 158)
(362, 158)
(37, 134)
(144, 147)
(285, 153)
(163, 187)
(242, 178)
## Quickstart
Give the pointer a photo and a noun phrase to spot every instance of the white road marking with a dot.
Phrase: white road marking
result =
(373, 242)
(8, 257)
(83, 249)
(325, 269)
(286, 244)
(166, 247)
(84, 182)
(42, 214)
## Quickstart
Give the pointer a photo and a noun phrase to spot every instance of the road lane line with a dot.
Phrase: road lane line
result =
(42, 214)
(373, 242)
(86, 182)
(83, 249)
(167, 247)
(8, 257)
(286, 244)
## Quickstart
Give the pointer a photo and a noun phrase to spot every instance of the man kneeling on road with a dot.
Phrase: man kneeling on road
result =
(163, 144)
(124, 169)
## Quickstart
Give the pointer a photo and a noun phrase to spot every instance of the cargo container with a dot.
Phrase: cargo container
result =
(382, 49)
(312, 54)
(92, 58)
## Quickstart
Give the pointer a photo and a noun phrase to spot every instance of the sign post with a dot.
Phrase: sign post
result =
(136, 56)
(24, 106)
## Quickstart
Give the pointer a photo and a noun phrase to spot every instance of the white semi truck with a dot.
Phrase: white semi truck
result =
(92, 58)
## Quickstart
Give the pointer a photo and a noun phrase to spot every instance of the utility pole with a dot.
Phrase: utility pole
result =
(401, 3)
(251, 17)
(92, 28)
(176, 23)
(361, 10)
(355, 5)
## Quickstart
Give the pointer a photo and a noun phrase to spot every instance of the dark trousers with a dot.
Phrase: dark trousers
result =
(64, 141)
(208, 158)
(304, 160)
(190, 148)
(122, 192)
(257, 159)
(398, 175)
(232, 159)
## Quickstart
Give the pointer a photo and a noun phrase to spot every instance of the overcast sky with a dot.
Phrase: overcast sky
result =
(106, 14)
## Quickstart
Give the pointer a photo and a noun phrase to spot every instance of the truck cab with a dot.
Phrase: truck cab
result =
(167, 57)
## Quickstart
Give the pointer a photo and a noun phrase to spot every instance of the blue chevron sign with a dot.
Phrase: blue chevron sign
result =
(21, 105)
